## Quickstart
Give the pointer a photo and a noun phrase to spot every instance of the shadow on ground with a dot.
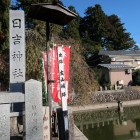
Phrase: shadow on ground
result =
(16, 138)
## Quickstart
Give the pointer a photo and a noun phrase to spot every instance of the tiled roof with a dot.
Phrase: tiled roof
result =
(120, 52)
(115, 66)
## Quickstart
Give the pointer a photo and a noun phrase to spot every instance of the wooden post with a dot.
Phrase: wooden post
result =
(48, 68)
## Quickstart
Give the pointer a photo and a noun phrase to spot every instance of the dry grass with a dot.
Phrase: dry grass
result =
(82, 77)
(136, 88)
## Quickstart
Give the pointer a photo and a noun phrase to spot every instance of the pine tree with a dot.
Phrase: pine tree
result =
(72, 29)
(105, 31)
(118, 37)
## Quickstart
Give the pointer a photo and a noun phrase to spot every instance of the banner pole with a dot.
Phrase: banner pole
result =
(63, 91)
(48, 71)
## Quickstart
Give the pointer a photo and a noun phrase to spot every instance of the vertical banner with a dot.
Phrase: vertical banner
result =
(17, 46)
(54, 71)
(45, 77)
(54, 86)
(64, 95)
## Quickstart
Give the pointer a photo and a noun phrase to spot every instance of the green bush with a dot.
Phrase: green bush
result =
(136, 77)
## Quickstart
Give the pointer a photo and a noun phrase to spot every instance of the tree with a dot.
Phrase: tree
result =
(72, 29)
(105, 31)
(136, 77)
(35, 45)
(93, 25)
(4, 40)
(4, 24)
(119, 38)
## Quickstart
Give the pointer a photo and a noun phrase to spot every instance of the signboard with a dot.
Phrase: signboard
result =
(64, 93)
(17, 46)
(54, 70)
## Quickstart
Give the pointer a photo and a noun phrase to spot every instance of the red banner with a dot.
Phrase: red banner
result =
(54, 71)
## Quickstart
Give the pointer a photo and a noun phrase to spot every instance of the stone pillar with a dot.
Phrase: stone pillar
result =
(17, 62)
(5, 122)
(17, 50)
(115, 87)
(103, 123)
(86, 126)
(101, 88)
(111, 87)
(33, 111)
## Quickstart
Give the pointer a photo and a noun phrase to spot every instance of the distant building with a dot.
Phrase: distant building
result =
(126, 57)
(116, 74)
(118, 70)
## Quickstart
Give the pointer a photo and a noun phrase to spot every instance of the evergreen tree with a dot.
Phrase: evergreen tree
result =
(136, 77)
(4, 41)
(118, 37)
(94, 25)
(4, 24)
(72, 29)
(105, 31)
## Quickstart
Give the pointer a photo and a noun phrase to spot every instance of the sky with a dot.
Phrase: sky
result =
(127, 10)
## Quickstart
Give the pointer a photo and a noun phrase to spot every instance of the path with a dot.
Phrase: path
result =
(103, 106)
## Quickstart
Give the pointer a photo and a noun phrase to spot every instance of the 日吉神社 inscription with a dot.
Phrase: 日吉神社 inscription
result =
(17, 53)
(17, 46)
